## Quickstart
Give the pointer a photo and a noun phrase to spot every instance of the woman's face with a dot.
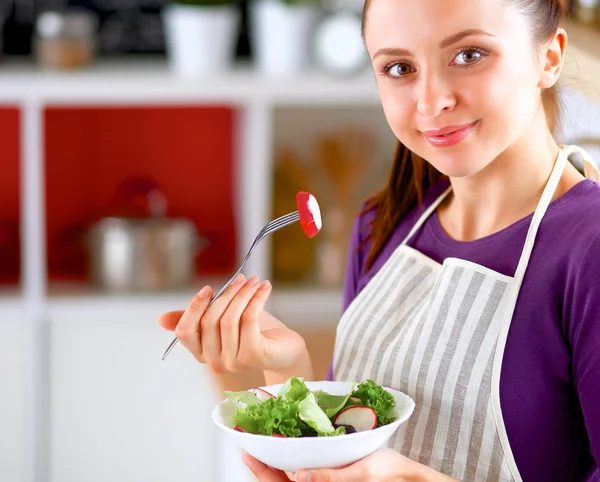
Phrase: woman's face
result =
(458, 79)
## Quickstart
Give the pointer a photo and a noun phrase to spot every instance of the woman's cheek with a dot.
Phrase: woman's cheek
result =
(397, 112)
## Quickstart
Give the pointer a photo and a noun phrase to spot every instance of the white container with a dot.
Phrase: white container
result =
(281, 36)
(201, 41)
(293, 454)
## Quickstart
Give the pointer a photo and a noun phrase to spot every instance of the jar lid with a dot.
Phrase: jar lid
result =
(76, 23)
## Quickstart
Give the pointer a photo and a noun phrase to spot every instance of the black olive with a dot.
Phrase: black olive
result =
(349, 428)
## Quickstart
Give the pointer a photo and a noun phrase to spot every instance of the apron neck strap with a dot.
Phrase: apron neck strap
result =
(542, 207)
(428, 212)
(540, 211)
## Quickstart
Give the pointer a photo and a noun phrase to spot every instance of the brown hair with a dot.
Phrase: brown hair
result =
(411, 175)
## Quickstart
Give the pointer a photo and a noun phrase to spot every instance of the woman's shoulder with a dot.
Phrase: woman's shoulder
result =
(576, 215)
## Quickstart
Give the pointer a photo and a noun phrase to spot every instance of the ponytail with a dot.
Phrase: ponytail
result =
(408, 181)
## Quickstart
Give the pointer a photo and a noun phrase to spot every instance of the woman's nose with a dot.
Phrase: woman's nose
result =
(435, 96)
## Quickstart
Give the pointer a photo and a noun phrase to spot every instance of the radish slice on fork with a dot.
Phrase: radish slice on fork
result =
(310, 213)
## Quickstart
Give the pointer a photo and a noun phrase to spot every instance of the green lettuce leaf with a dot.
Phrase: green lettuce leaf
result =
(273, 416)
(244, 397)
(294, 389)
(313, 415)
(380, 400)
(332, 404)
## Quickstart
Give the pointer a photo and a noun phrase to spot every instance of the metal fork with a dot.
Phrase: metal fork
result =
(267, 229)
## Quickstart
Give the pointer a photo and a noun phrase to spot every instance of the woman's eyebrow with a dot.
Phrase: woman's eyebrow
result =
(457, 37)
(450, 40)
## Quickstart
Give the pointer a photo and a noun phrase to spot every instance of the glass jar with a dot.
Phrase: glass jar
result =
(67, 39)
(586, 11)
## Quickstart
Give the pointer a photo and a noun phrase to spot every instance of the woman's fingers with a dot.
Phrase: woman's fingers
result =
(263, 472)
(188, 328)
(226, 334)
(210, 330)
(170, 320)
(230, 324)
(250, 346)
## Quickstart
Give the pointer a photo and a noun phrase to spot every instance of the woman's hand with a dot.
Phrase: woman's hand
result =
(235, 334)
(385, 465)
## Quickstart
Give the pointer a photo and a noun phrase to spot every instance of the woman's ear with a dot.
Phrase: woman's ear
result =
(552, 59)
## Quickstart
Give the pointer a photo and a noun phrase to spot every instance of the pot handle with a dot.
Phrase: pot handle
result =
(201, 243)
(141, 197)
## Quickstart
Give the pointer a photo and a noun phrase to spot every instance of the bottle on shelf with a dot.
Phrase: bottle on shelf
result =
(586, 12)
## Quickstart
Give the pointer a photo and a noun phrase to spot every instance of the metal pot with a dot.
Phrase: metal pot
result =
(143, 254)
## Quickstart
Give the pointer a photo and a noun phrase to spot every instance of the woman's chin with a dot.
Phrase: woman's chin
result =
(456, 166)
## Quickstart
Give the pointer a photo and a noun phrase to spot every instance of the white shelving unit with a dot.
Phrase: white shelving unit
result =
(134, 83)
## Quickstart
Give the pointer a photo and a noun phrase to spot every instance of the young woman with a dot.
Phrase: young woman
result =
(473, 276)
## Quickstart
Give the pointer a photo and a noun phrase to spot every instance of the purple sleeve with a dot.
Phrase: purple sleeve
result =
(584, 334)
(353, 270)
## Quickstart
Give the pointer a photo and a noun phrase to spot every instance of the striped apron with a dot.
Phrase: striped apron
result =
(437, 332)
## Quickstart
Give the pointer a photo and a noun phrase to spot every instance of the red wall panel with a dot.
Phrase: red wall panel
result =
(90, 152)
(9, 195)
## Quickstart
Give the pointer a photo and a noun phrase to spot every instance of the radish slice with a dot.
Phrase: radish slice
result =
(278, 435)
(262, 395)
(361, 418)
(237, 429)
(310, 213)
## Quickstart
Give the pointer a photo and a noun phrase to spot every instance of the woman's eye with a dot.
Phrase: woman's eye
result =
(398, 70)
(468, 57)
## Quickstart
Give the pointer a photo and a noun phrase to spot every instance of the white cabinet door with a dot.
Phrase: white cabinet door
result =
(117, 412)
(11, 390)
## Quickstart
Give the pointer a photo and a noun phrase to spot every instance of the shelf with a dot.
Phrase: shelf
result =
(582, 65)
(135, 80)
(296, 307)
(145, 80)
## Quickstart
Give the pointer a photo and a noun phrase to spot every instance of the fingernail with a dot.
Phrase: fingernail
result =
(239, 279)
(246, 460)
(204, 292)
(253, 281)
(266, 285)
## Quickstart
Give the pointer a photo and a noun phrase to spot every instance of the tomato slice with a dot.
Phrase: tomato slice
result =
(310, 213)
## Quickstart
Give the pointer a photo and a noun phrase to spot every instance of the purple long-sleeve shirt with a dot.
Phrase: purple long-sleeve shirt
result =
(550, 381)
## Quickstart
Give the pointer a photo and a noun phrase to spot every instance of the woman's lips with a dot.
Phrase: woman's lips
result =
(449, 136)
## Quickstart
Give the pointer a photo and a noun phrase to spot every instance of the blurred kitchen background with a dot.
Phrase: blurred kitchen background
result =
(143, 144)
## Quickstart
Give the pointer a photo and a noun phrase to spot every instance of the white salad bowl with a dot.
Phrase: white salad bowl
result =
(294, 453)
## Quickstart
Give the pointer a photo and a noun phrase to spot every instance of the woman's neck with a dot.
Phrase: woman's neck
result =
(507, 190)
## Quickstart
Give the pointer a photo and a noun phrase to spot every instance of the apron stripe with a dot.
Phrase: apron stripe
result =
(371, 311)
(421, 412)
(468, 370)
(389, 362)
(496, 462)
(383, 336)
(405, 363)
(442, 376)
(482, 465)
(359, 311)
(351, 312)
(505, 473)
(469, 467)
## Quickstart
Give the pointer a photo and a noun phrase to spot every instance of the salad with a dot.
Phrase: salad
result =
(297, 411)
